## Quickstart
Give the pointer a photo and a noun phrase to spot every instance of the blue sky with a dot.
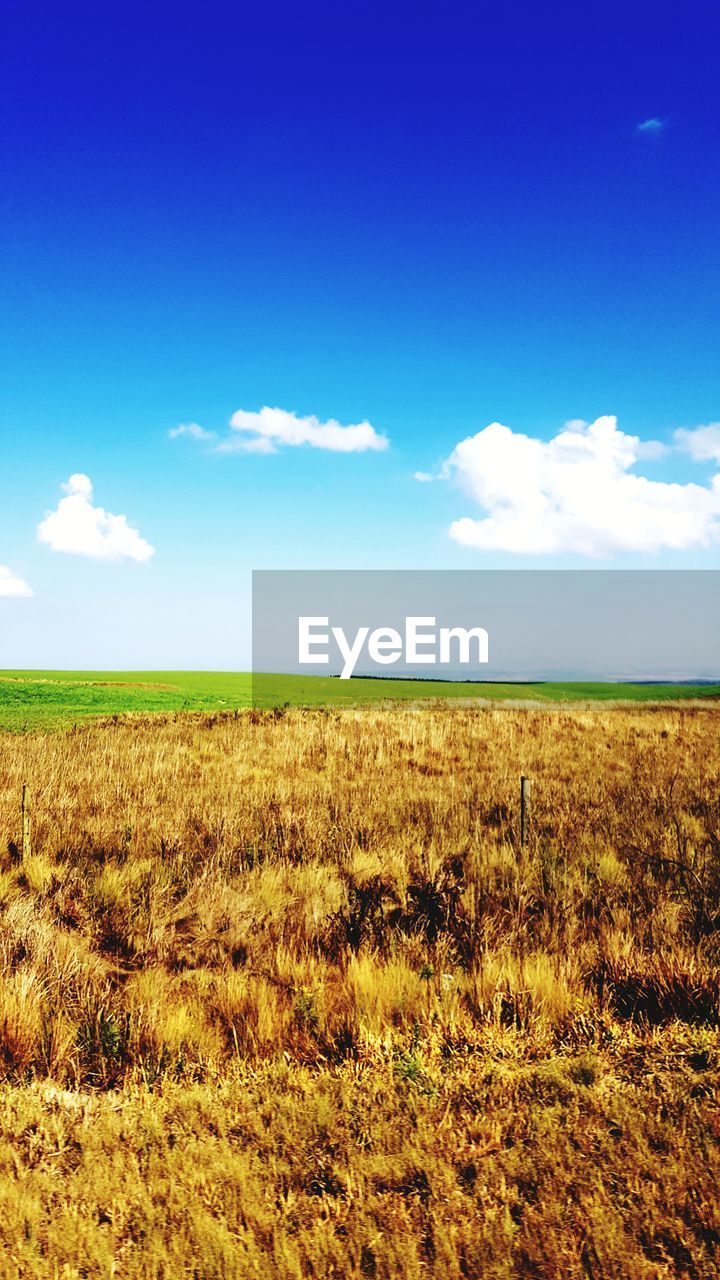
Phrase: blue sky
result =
(424, 218)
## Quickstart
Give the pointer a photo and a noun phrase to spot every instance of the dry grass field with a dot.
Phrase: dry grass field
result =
(281, 996)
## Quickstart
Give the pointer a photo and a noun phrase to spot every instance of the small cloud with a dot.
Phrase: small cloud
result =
(577, 493)
(10, 585)
(424, 477)
(653, 124)
(271, 429)
(192, 430)
(702, 443)
(78, 528)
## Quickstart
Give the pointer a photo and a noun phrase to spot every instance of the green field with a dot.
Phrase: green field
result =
(59, 699)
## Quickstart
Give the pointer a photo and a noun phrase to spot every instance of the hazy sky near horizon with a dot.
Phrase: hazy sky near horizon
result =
(327, 286)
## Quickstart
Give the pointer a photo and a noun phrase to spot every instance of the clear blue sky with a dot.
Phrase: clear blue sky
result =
(429, 218)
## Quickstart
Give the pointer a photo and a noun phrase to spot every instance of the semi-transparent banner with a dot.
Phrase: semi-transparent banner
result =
(483, 625)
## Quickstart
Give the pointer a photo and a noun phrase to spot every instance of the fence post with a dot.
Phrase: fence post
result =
(25, 821)
(524, 811)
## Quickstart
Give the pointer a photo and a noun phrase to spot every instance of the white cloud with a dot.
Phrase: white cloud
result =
(424, 477)
(652, 125)
(191, 429)
(10, 585)
(702, 443)
(270, 429)
(79, 528)
(575, 493)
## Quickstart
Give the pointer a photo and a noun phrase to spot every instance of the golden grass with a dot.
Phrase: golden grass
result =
(281, 995)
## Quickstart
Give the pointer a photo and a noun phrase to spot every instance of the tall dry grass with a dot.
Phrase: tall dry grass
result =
(325, 918)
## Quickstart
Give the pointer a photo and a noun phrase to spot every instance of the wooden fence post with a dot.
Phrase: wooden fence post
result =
(25, 821)
(524, 811)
